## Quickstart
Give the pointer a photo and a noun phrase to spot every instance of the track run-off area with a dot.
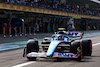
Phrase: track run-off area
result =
(13, 58)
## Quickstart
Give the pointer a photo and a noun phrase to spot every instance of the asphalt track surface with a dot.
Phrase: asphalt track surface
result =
(14, 59)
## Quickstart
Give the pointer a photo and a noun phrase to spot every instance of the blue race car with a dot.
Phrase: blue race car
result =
(62, 44)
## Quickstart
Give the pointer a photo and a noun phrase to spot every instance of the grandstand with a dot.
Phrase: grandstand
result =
(75, 6)
(85, 3)
(40, 14)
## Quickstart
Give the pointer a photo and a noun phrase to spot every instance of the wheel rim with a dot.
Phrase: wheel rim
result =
(79, 52)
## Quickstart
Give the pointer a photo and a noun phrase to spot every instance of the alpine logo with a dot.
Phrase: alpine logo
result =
(65, 55)
(97, 1)
(73, 34)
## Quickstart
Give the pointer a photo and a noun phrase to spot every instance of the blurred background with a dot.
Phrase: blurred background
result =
(35, 16)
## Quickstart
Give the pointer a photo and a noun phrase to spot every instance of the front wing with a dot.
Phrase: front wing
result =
(55, 55)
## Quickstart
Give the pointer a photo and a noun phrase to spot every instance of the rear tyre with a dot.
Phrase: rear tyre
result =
(76, 48)
(32, 46)
(87, 47)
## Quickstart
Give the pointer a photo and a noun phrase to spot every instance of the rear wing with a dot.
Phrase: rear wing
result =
(75, 34)
(71, 33)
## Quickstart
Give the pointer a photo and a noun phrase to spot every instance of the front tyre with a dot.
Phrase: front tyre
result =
(32, 46)
(79, 53)
(31, 58)
(87, 47)
(76, 48)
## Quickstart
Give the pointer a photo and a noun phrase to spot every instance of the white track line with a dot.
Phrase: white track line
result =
(27, 63)
(24, 64)
(96, 44)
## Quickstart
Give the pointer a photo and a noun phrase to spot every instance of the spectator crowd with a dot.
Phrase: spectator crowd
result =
(55, 5)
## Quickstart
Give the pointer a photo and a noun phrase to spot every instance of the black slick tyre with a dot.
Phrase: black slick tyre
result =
(87, 47)
(31, 58)
(76, 48)
(32, 46)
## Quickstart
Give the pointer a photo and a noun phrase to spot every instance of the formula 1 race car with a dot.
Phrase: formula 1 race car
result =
(62, 44)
